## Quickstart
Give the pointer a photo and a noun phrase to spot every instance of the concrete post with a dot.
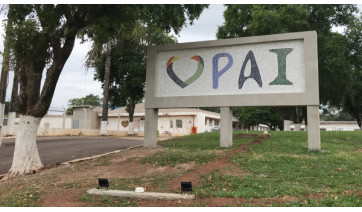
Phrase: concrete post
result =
(314, 138)
(151, 119)
(64, 117)
(297, 127)
(226, 127)
(286, 125)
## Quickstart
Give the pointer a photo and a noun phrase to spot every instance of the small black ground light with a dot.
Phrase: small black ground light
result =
(186, 187)
(103, 183)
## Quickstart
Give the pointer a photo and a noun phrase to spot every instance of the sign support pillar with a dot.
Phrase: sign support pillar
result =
(314, 138)
(226, 127)
(151, 121)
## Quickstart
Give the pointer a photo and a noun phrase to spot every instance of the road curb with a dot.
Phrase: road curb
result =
(98, 156)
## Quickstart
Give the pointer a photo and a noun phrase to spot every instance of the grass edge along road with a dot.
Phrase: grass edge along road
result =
(277, 172)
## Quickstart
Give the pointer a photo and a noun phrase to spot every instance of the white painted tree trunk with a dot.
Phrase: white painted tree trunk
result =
(10, 130)
(103, 127)
(131, 128)
(26, 155)
(2, 110)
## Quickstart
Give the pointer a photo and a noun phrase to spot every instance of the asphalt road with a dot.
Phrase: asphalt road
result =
(54, 150)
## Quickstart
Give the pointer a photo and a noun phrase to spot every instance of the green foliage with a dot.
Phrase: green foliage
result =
(283, 166)
(338, 55)
(333, 114)
(128, 56)
(353, 101)
(269, 116)
(90, 99)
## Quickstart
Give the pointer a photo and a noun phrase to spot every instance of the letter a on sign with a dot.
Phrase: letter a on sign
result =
(255, 74)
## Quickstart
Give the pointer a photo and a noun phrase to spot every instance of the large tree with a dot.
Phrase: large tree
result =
(128, 54)
(43, 38)
(5, 67)
(353, 101)
(335, 70)
(128, 69)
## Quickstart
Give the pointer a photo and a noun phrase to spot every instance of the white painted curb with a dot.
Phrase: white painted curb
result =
(98, 156)
(143, 195)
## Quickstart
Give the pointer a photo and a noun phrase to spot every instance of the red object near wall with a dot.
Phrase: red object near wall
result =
(194, 130)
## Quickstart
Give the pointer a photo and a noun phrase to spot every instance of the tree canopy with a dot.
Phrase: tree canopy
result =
(336, 60)
(90, 99)
(128, 53)
(251, 116)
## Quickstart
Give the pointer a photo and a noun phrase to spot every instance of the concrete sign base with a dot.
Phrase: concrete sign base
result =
(314, 138)
(226, 127)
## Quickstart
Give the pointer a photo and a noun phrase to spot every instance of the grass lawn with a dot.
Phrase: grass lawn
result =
(279, 171)
(282, 166)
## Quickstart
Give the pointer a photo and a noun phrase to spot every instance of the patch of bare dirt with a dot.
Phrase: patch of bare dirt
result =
(124, 164)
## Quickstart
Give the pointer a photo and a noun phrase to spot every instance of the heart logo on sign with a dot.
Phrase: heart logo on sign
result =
(124, 123)
(193, 78)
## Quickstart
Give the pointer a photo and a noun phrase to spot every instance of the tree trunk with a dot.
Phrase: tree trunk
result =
(26, 155)
(106, 89)
(4, 75)
(12, 111)
(131, 116)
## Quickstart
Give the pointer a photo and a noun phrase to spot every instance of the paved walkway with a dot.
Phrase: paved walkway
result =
(54, 150)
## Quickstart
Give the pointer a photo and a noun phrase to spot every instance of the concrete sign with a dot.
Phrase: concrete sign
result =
(276, 67)
(272, 70)
(253, 71)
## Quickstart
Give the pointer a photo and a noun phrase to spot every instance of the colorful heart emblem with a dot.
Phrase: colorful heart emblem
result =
(193, 78)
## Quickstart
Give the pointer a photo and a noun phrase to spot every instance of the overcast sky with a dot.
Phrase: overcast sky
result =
(76, 82)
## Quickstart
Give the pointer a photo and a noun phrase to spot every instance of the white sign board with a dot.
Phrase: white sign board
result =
(255, 71)
(217, 70)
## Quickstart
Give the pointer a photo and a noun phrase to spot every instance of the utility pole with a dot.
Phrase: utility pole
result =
(4, 76)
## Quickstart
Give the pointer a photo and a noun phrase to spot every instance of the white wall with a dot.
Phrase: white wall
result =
(334, 126)
(165, 128)
(56, 122)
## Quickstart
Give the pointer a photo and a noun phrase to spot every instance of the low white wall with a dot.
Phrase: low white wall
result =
(74, 132)
(56, 122)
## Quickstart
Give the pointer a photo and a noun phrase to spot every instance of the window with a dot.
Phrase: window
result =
(171, 124)
(178, 123)
(216, 123)
(75, 124)
(210, 122)
(205, 121)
